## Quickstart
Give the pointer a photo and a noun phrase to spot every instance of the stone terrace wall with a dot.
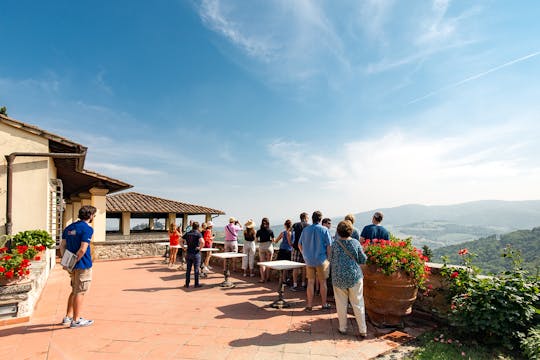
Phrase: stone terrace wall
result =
(122, 249)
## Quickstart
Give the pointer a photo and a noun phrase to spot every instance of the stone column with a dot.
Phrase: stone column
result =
(98, 199)
(184, 222)
(125, 223)
(76, 201)
(207, 217)
(171, 219)
(86, 198)
(151, 223)
(68, 213)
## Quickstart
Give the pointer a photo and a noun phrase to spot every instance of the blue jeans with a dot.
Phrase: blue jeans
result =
(193, 260)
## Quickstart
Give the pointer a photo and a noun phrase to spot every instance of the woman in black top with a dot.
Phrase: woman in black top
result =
(249, 248)
(265, 237)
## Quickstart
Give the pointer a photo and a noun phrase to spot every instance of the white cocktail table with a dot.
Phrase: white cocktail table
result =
(281, 265)
(226, 273)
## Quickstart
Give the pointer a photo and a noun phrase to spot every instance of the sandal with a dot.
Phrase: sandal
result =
(326, 307)
(308, 308)
(261, 281)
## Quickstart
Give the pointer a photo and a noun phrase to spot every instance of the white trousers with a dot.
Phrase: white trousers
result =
(355, 295)
(249, 260)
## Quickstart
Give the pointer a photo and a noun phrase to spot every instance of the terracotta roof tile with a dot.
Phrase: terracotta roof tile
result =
(140, 203)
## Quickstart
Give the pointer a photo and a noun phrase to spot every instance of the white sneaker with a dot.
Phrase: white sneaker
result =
(67, 320)
(81, 322)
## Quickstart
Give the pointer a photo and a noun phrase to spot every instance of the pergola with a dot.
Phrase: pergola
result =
(133, 205)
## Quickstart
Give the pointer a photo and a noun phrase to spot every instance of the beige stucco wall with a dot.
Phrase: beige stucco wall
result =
(30, 180)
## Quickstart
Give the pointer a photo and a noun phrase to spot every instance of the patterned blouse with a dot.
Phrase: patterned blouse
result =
(345, 271)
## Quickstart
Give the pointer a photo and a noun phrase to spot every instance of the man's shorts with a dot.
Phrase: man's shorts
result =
(320, 272)
(297, 256)
(231, 246)
(80, 280)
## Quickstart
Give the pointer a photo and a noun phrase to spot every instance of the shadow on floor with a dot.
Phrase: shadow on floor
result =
(37, 328)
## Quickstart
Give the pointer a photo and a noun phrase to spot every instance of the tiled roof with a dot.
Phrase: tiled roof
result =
(140, 203)
(71, 171)
(40, 132)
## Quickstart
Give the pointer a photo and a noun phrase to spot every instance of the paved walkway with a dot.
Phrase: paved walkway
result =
(142, 312)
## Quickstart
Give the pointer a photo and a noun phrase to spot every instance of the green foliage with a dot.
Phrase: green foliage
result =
(33, 238)
(443, 345)
(390, 256)
(530, 345)
(498, 309)
(488, 250)
(426, 251)
(3, 110)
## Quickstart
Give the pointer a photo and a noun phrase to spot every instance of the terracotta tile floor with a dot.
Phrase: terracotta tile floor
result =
(142, 312)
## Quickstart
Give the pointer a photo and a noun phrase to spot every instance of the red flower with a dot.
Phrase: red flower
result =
(2, 269)
(403, 260)
(3, 249)
(9, 274)
(454, 275)
(463, 252)
(37, 258)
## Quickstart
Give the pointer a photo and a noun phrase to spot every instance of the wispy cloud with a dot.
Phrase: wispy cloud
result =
(374, 16)
(475, 77)
(101, 84)
(291, 40)
(407, 168)
(121, 169)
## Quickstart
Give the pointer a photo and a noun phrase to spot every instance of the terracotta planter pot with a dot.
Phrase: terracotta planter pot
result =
(4, 281)
(387, 297)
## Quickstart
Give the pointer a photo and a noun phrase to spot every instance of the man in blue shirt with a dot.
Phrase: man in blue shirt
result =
(374, 230)
(76, 238)
(315, 244)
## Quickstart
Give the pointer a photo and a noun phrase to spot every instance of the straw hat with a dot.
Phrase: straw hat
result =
(209, 224)
(231, 219)
(250, 224)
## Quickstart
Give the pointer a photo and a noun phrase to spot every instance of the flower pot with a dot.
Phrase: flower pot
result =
(387, 297)
(4, 281)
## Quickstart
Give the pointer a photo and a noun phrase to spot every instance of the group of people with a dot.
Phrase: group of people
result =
(300, 242)
(193, 240)
(323, 254)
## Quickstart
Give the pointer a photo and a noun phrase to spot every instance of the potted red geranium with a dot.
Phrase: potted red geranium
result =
(14, 264)
(393, 272)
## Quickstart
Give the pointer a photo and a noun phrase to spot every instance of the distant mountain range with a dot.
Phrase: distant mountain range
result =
(443, 225)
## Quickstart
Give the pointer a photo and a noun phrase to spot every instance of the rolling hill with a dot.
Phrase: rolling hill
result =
(489, 251)
(438, 226)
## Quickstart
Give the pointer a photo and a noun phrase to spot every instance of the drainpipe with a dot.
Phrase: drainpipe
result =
(9, 188)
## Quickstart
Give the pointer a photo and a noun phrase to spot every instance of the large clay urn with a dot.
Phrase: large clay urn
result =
(387, 297)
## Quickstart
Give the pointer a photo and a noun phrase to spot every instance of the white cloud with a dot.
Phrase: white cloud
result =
(292, 41)
(374, 16)
(119, 170)
(401, 167)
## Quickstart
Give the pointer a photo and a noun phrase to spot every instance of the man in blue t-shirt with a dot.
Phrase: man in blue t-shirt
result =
(76, 238)
(315, 244)
(375, 230)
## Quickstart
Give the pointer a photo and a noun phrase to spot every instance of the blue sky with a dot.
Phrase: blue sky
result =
(270, 108)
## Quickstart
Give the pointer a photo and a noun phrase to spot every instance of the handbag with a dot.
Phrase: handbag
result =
(347, 252)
